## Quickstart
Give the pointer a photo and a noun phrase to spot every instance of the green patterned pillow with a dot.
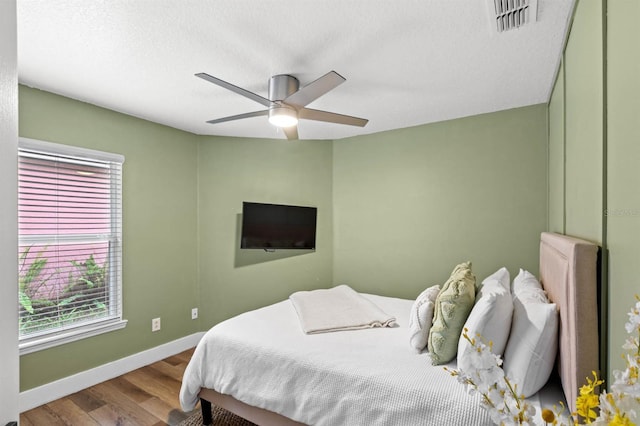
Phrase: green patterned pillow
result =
(453, 304)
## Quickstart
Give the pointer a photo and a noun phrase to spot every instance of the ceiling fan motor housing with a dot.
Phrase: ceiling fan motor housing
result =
(281, 86)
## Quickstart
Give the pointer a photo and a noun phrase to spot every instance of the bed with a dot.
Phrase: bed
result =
(271, 373)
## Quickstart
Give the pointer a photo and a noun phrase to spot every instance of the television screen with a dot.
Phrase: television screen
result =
(275, 226)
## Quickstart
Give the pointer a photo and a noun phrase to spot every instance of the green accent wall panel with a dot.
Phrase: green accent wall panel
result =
(623, 170)
(602, 130)
(159, 228)
(233, 170)
(410, 204)
(583, 123)
(556, 156)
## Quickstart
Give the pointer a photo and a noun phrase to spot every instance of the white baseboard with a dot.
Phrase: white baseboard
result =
(60, 388)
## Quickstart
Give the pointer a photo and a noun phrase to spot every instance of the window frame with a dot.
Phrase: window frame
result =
(114, 319)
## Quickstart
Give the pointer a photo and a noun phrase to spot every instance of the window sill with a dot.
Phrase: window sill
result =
(31, 345)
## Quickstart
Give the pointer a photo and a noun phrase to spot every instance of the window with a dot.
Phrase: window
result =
(70, 243)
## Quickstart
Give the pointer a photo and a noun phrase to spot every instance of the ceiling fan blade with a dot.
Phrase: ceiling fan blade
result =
(291, 132)
(331, 117)
(239, 116)
(239, 90)
(314, 90)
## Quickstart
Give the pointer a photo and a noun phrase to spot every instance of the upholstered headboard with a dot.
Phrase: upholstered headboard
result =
(568, 272)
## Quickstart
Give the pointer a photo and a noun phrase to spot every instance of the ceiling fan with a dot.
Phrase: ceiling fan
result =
(287, 102)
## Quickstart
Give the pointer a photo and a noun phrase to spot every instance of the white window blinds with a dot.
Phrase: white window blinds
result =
(70, 242)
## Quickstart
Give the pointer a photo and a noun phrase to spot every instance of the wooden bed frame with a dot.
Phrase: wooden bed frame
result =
(568, 273)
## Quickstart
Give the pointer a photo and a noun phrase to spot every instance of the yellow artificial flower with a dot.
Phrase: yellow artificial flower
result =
(588, 400)
(585, 405)
(548, 416)
(619, 420)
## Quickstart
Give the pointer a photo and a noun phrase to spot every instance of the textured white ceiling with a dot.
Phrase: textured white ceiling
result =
(407, 62)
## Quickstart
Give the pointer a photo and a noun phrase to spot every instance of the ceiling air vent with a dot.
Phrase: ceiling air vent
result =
(512, 14)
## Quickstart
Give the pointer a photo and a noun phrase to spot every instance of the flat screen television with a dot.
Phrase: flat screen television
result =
(276, 226)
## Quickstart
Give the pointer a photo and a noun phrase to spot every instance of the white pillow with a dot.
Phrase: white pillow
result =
(421, 317)
(531, 350)
(502, 276)
(489, 318)
(528, 288)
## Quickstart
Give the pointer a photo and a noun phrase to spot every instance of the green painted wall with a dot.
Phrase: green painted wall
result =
(556, 157)
(159, 228)
(410, 204)
(623, 170)
(233, 170)
(577, 146)
(583, 104)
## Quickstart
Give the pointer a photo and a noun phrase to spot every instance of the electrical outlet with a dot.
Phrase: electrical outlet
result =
(194, 313)
(155, 324)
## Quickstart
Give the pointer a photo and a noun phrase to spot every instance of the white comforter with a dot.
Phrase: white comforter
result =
(363, 377)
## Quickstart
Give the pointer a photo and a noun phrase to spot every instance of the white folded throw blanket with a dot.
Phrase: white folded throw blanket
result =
(336, 309)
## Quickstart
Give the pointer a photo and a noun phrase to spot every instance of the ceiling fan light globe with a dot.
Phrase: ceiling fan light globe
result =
(283, 116)
(283, 121)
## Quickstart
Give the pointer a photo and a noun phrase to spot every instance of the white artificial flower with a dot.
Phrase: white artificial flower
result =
(495, 395)
(628, 405)
(562, 419)
(482, 358)
(607, 410)
(490, 377)
(626, 382)
(529, 411)
(634, 319)
(496, 416)
(631, 344)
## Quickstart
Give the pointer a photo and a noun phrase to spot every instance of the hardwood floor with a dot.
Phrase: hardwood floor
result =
(147, 396)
